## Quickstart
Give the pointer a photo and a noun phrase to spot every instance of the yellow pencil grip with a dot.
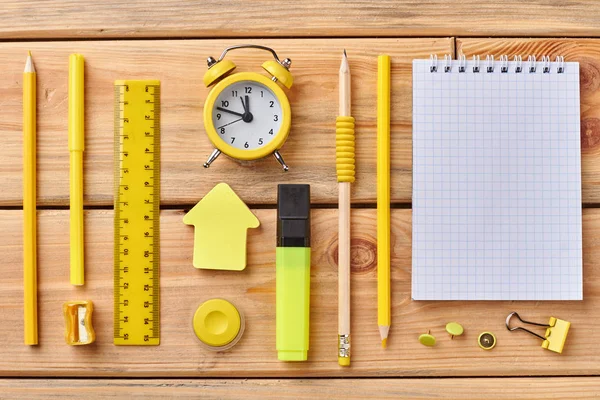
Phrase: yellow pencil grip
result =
(344, 149)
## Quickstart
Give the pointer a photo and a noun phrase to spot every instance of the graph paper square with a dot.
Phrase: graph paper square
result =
(496, 183)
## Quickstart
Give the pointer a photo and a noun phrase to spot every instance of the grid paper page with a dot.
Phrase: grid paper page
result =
(496, 183)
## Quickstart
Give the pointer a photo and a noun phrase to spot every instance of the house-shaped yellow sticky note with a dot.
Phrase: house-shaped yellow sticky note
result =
(221, 221)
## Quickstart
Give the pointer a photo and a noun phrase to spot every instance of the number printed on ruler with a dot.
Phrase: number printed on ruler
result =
(137, 209)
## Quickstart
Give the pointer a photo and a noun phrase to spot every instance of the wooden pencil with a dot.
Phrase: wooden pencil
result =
(383, 197)
(29, 204)
(345, 174)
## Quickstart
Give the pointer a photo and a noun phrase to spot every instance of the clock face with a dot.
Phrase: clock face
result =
(247, 115)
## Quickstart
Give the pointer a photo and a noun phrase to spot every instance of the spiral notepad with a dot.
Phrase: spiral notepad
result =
(496, 180)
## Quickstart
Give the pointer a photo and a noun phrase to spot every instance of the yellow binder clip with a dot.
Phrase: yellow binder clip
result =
(556, 331)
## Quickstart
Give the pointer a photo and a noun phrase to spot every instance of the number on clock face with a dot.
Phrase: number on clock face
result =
(247, 115)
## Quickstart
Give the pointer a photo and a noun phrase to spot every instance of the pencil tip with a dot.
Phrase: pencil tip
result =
(29, 64)
(384, 343)
(29, 53)
(344, 67)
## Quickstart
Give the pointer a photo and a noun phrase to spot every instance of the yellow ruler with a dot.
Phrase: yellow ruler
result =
(137, 208)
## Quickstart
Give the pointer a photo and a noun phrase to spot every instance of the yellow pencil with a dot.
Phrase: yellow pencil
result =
(344, 149)
(383, 197)
(29, 205)
(76, 145)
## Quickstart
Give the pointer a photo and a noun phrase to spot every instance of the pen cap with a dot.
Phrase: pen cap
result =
(76, 102)
(293, 215)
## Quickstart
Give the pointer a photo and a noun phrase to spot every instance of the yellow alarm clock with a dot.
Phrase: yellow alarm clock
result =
(247, 115)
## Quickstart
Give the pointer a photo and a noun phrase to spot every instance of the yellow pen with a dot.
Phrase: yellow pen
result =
(383, 197)
(29, 205)
(76, 146)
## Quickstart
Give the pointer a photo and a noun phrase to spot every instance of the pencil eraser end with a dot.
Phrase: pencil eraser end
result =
(344, 361)
(291, 355)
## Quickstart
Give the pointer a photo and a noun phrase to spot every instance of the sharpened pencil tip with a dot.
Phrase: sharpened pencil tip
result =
(29, 68)
(384, 343)
(344, 67)
(29, 53)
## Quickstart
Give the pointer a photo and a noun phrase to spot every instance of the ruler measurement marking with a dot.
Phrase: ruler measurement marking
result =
(137, 215)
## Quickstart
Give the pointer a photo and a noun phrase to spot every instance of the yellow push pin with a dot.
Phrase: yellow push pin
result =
(486, 340)
(454, 329)
(427, 339)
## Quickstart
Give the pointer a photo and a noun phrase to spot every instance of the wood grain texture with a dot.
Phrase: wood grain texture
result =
(587, 53)
(183, 288)
(338, 18)
(180, 65)
(575, 388)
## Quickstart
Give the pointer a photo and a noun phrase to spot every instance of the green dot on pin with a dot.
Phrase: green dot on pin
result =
(427, 339)
(454, 329)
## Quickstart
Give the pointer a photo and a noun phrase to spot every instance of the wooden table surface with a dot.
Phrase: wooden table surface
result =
(170, 40)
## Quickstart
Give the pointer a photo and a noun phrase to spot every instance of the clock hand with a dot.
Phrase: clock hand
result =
(247, 116)
(232, 122)
(230, 112)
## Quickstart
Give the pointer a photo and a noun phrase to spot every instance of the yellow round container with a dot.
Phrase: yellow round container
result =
(218, 324)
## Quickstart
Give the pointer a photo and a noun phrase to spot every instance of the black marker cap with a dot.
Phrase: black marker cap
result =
(293, 215)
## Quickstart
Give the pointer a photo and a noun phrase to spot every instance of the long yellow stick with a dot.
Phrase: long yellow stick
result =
(344, 143)
(29, 205)
(76, 146)
(383, 197)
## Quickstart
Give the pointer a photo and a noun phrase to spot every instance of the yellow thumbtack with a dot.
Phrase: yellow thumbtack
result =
(427, 339)
(486, 340)
(454, 329)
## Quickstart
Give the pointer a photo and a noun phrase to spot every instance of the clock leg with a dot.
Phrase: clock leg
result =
(280, 160)
(213, 156)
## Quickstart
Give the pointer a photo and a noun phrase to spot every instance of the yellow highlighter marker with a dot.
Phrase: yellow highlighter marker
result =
(76, 146)
(29, 205)
(383, 197)
(292, 275)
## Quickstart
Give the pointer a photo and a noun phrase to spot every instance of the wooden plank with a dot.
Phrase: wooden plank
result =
(574, 388)
(183, 288)
(586, 53)
(235, 18)
(180, 65)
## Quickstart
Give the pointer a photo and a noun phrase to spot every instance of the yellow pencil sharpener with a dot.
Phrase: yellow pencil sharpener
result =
(218, 324)
(78, 322)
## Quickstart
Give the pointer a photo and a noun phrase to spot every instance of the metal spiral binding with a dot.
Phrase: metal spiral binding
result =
(447, 63)
(519, 62)
(433, 61)
(476, 64)
(560, 61)
(531, 61)
(462, 60)
(546, 61)
(490, 63)
(504, 64)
